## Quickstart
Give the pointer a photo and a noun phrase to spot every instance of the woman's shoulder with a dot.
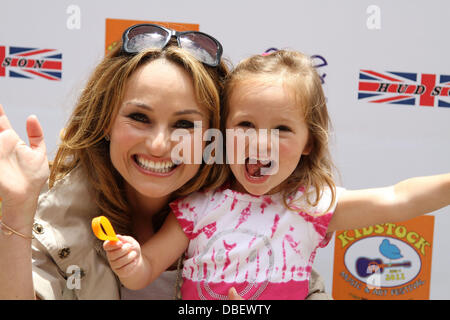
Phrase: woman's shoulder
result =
(63, 216)
(64, 213)
(71, 195)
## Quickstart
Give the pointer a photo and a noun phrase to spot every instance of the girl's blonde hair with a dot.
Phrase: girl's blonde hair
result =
(315, 170)
(83, 141)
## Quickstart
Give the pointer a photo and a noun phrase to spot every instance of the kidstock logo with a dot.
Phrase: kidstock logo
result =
(404, 88)
(30, 63)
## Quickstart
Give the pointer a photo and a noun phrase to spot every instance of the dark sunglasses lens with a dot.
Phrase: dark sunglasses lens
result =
(146, 37)
(200, 46)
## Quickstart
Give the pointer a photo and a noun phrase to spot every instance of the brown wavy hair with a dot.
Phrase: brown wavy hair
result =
(314, 171)
(83, 140)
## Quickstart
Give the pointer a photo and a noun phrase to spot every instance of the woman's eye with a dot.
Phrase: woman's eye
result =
(184, 124)
(246, 124)
(283, 128)
(139, 117)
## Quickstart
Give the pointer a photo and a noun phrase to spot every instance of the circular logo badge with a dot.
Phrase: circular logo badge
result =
(224, 250)
(382, 261)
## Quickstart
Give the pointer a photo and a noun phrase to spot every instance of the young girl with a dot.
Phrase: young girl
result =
(259, 234)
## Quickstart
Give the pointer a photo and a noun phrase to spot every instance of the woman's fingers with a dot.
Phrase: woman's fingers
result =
(4, 122)
(34, 130)
(35, 134)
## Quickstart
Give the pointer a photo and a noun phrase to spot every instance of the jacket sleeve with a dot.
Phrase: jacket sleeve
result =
(317, 288)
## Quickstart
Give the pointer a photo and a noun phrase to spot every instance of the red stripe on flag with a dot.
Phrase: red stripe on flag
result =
(390, 99)
(393, 88)
(445, 91)
(30, 53)
(40, 74)
(55, 65)
(2, 58)
(426, 99)
(368, 86)
(30, 63)
(48, 64)
(411, 88)
(380, 75)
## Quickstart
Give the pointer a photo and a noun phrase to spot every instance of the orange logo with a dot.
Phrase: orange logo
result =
(390, 261)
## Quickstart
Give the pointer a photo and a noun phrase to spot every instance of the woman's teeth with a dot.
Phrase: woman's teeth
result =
(155, 166)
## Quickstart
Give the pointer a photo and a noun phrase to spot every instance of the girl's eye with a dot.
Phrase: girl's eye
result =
(246, 124)
(284, 128)
(184, 124)
(139, 117)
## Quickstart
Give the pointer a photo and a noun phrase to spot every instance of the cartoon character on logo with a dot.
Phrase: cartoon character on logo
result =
(365, 266)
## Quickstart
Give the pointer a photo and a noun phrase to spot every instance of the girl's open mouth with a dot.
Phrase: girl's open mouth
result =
(254, 169)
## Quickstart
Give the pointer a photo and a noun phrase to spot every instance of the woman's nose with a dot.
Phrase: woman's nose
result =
(159, 144)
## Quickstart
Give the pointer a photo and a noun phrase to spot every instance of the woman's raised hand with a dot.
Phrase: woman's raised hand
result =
(23, 169)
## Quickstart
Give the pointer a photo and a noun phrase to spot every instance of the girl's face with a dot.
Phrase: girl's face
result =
(159, 99)
(262, 104)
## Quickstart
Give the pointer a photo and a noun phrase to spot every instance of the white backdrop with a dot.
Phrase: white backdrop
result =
(374, 144)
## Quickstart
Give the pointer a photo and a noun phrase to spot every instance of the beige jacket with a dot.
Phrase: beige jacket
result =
(68, 261)
(64, 243)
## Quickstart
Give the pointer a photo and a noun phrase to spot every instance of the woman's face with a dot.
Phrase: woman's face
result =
(159, 99)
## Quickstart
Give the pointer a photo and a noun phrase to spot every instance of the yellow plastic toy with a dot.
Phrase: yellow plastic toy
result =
(103, 229)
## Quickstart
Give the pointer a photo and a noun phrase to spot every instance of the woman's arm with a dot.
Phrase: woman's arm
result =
(16, 280)
(24, 170)
(137, 267)
(403, 201)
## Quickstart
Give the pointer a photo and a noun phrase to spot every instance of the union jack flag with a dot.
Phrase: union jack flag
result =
(30, 63)
(427, 90)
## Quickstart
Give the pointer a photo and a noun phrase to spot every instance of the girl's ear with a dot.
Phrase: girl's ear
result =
(308, 147)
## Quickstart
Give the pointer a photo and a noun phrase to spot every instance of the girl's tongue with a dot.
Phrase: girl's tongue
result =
(255, 169)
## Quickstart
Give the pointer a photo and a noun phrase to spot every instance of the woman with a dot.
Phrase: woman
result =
(114, 160)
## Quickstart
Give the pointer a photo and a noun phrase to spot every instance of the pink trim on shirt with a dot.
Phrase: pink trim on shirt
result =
(290, 290)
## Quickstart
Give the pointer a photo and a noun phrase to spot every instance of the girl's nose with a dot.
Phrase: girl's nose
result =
(264, 143)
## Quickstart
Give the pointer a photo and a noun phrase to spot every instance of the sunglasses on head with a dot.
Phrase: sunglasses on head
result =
(202, 46)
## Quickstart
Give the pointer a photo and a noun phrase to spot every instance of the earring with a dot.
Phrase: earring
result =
(107, 138)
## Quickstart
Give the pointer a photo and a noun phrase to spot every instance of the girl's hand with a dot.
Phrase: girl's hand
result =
(23, 170)
(124, 255)
(233, 295)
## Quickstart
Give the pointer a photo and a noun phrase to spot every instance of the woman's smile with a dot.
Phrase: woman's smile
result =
(163, 167)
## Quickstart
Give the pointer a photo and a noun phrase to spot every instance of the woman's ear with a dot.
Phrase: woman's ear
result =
(107, 136)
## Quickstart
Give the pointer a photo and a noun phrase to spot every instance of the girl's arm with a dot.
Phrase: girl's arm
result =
(403, 201)
(137, 266)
